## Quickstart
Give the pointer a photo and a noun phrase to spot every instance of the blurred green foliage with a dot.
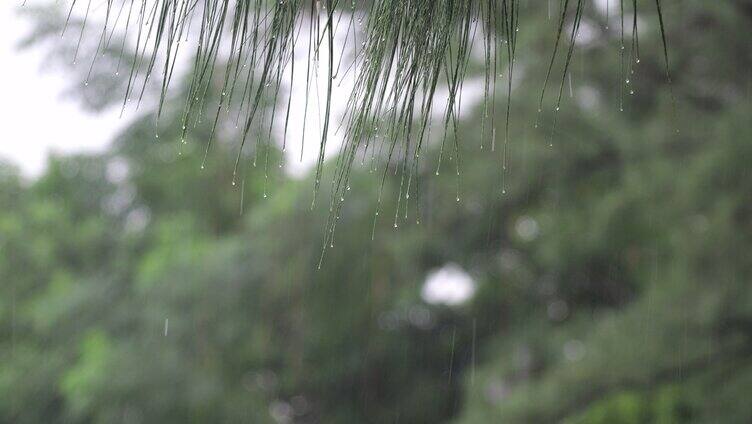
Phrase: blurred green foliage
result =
(612, 276)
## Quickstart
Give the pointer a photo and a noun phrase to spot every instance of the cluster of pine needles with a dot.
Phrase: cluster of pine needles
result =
(400, 54)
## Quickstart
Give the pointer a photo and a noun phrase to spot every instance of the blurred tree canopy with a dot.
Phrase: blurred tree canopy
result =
(612, 274)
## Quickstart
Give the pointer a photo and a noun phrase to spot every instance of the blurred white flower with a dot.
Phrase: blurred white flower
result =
(449, 285)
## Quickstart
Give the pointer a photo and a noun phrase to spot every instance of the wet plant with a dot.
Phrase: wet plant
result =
(403, 56)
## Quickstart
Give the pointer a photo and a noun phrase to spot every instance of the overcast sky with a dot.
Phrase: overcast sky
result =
(36, 118)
